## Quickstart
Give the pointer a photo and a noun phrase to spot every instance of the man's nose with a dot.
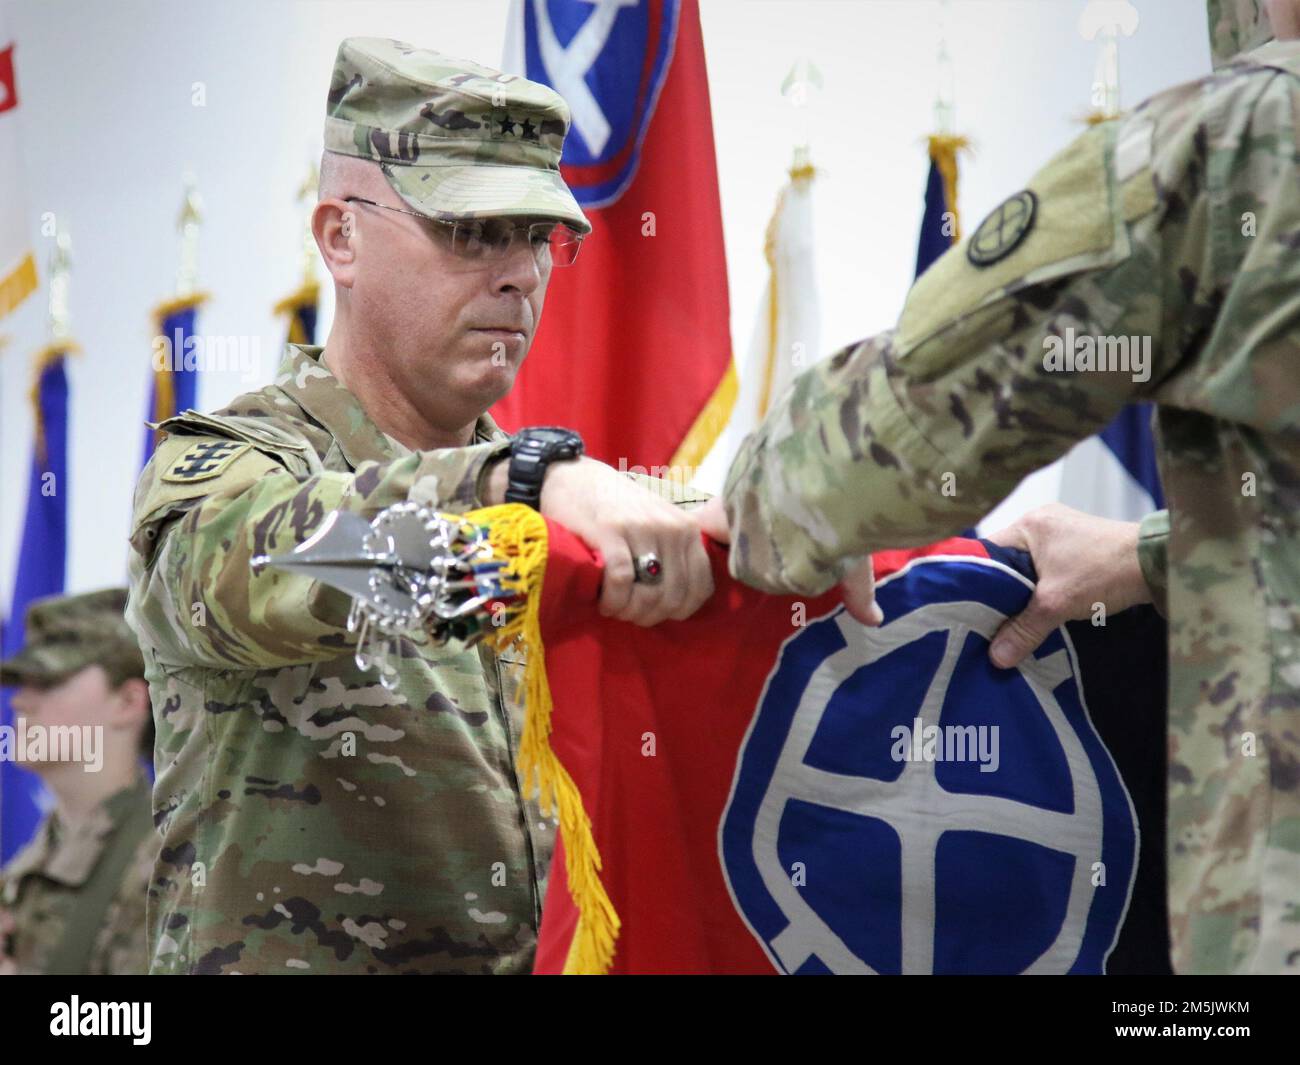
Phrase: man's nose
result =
(519, 269)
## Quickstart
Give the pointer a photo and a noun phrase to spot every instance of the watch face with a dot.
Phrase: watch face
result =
(550, 438)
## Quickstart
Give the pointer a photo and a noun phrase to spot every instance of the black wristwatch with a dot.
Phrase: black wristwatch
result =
(531, 451)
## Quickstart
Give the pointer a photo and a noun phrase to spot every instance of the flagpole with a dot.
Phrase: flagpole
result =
(1104, 22)
(188, 223)
(59, 326)
(945, 103)
(945, 143)
(59, 313)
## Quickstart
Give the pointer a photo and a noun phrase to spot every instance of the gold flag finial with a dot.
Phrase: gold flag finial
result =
(187, 277)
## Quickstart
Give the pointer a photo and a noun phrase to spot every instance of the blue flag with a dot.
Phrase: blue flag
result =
(933, 242)
(300, 308)
(940, 226)
(42, 563)
(176, 375)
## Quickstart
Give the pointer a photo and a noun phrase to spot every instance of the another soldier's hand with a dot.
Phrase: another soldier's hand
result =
(711, 517)
(8, 967)
(859, 589)
(1082, 561)
(621, 520)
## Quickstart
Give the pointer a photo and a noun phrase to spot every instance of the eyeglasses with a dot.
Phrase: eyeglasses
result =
(487, 239)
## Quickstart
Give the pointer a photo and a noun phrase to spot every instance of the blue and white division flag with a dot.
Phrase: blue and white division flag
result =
(1114, 474)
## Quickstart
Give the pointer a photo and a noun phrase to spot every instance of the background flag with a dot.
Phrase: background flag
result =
(42, 559)
(175, 383)
(300, 308)
(941, 223)
(787, 331)
(634, 349)
(17, 264)
(765, 799)
(1114, 473)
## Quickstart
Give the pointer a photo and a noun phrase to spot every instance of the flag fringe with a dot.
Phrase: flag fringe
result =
(518, 535)
(179, 303)
(943, 152)
(305, 296)
(18, 284)
(709, 423)
(42, 361)
(293, 304)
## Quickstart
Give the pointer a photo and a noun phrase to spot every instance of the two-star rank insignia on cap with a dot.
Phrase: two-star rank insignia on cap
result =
(1004, 230)
(205, 460)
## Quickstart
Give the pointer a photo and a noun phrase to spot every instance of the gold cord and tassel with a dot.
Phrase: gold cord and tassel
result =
(518, 536)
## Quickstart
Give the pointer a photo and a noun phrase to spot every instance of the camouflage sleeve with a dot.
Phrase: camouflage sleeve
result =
(1153, 557)
(917, 433)
(195, 599)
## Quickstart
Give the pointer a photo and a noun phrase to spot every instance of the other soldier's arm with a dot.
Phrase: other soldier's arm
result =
(918, 432)
(1153, 557)
(195, 598)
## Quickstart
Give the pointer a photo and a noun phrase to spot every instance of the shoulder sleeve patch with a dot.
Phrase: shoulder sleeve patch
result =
(202, 461)
(1065, 222)
(1003, 230)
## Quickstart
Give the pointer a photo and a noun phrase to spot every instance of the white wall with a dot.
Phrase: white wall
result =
(109, 127)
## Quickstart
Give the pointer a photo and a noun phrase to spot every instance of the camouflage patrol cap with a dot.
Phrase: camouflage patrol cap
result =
(454, 139)
(1237, 26)
(66, 633)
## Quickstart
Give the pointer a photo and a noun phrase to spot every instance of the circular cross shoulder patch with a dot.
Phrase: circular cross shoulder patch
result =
(1003, 230)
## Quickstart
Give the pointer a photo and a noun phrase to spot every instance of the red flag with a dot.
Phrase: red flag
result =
(634, 348)
(736, 796)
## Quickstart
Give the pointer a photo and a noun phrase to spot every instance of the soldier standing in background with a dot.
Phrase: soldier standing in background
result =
(73, 900)
(314, 821)
(1157, 258)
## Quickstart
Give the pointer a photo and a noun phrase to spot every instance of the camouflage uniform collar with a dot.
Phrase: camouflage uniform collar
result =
(305, 377)
(1275, 53)
(69, 854)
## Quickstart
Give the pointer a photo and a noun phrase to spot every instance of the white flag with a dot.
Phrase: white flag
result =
(787, 333)
(17, 264)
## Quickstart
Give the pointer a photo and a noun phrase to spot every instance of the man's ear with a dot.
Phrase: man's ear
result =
(333, 224)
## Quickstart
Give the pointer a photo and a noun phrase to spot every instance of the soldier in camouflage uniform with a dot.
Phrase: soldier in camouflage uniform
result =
(73, 900)
(312, 820)
(1179, 223)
